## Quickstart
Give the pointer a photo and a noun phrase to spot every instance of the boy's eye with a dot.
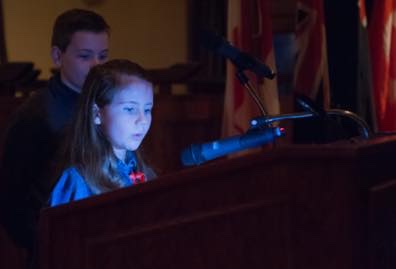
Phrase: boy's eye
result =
(103, 57)
(84, 57)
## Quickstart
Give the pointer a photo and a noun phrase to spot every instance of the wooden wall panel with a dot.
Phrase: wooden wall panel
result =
(158, 246)
(178, 121)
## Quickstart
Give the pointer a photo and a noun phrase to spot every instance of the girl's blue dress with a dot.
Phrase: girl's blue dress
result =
(71, 186)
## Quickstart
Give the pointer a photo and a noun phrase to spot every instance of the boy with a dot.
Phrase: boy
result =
(79, 41)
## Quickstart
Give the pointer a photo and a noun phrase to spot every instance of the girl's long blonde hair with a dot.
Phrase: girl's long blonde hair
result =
(89, 150)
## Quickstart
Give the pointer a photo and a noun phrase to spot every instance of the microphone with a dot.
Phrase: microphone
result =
(242, 60)
(309, 106)
(199, 153)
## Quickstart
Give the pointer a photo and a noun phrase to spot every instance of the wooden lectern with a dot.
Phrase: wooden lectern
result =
(300, 207)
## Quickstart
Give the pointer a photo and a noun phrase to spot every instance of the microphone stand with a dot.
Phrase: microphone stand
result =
(244, 80)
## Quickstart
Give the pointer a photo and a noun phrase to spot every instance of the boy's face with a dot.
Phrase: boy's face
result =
(86, 49)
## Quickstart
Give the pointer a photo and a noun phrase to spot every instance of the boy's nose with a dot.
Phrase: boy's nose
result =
(95, 61)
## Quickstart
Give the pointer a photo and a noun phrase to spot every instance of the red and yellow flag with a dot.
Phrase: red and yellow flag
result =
(311, 70)
(249, 29)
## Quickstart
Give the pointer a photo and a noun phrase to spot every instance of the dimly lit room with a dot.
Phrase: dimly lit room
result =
(197, 134)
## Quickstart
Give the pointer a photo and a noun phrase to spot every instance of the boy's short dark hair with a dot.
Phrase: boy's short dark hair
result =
(75, 20)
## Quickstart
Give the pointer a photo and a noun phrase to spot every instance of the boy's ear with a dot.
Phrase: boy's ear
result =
(56, 55)
(96, 114)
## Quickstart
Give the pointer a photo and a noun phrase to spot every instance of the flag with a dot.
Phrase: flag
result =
(249, 29)
(311, 76)
(382, 38)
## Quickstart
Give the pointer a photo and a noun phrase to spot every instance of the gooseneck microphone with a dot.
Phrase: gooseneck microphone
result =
(242, 60)
(199, 153)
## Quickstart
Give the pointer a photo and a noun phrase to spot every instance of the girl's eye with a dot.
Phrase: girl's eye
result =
(147, 111)
(129, 109)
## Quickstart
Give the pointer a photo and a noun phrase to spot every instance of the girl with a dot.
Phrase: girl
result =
(113, 117)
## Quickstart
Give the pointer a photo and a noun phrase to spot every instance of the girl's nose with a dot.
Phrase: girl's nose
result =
(143, 118)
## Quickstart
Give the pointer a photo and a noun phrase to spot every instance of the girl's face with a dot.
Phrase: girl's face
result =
(127, 119)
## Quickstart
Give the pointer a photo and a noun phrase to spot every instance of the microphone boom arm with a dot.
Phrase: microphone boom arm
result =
(364, 129)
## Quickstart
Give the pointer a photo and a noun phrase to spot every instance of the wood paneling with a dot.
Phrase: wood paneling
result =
(178, 121)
